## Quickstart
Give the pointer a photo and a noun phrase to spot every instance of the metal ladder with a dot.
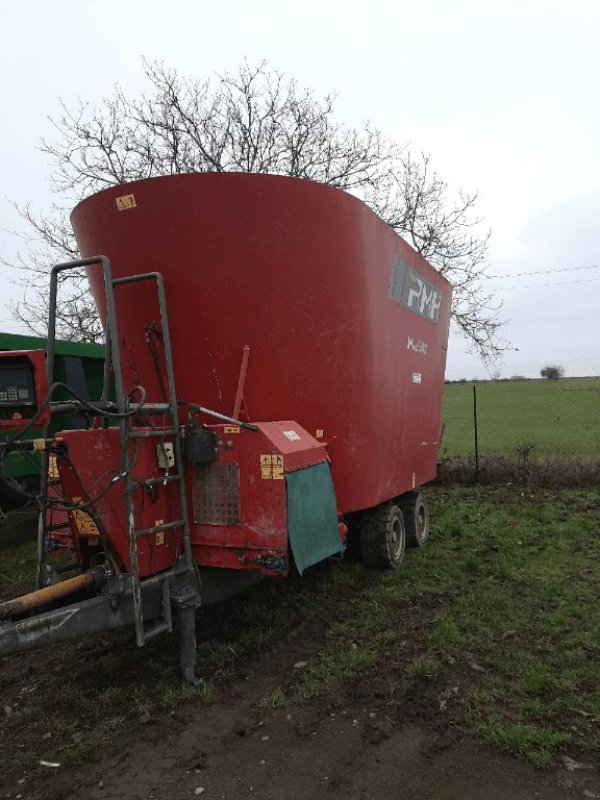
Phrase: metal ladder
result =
(124, 405)
(142, 632)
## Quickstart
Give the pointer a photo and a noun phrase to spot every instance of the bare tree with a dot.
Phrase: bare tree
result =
(50, 240)
(253, 121)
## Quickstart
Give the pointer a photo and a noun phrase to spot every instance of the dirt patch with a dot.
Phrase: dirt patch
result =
(366, 738)
(355, 742)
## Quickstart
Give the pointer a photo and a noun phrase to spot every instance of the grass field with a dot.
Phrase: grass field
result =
(511, 638)
(557, 417)
(492, 629)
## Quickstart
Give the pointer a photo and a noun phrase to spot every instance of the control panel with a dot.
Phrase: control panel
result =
(17, 384)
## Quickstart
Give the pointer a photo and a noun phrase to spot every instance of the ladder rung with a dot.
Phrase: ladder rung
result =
(158, 578)
(151, 434)
(58, 526)
(158, 528)
(67, 567)
(155, 630)
(156, 481)
(152, 408)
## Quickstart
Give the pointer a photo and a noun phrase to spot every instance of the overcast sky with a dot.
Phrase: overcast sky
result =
(504, 95)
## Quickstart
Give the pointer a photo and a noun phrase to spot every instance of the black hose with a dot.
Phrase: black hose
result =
(50, 501)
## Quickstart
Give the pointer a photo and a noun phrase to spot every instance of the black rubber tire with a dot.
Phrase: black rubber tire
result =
(382, 537)
(416, 518)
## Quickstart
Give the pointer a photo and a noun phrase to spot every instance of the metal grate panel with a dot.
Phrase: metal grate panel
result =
(217, 494)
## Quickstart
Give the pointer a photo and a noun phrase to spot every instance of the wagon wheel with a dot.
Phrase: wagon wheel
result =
(416, 518)
(382, 537)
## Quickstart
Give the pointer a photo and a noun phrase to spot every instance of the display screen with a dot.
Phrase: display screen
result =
(17, 386)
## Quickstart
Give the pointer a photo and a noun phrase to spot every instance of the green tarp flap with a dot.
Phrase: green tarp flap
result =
(312, 516)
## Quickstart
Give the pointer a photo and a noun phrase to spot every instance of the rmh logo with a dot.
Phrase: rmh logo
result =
(410, 290)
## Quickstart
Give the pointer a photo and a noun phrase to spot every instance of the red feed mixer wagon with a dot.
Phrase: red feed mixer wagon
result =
(275, 380)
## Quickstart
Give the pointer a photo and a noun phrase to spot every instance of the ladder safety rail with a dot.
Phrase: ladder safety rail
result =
(124, 409)
(45, 482)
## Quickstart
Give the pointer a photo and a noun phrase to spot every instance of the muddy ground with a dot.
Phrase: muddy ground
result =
(354, 742)
(375, 736)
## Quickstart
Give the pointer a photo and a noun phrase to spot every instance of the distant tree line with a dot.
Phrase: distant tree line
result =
(513, 378)
(552, 372)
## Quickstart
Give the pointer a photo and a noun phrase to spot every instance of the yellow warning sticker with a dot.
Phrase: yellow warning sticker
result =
(277, 467)
(231, 429)
(266, 467)
(271, 466)
(319, 433)
(85, 524)
(52, 468)
(159, 536)
(125, 201)
(38, 444)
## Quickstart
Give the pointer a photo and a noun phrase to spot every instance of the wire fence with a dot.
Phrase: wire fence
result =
(522, 425)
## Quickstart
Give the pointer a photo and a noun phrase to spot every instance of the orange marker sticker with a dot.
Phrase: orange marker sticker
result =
(126, 201)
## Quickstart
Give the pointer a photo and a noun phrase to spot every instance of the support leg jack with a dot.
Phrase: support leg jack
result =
(186, 604)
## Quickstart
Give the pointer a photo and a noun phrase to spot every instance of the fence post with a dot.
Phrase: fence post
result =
(475, 431)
